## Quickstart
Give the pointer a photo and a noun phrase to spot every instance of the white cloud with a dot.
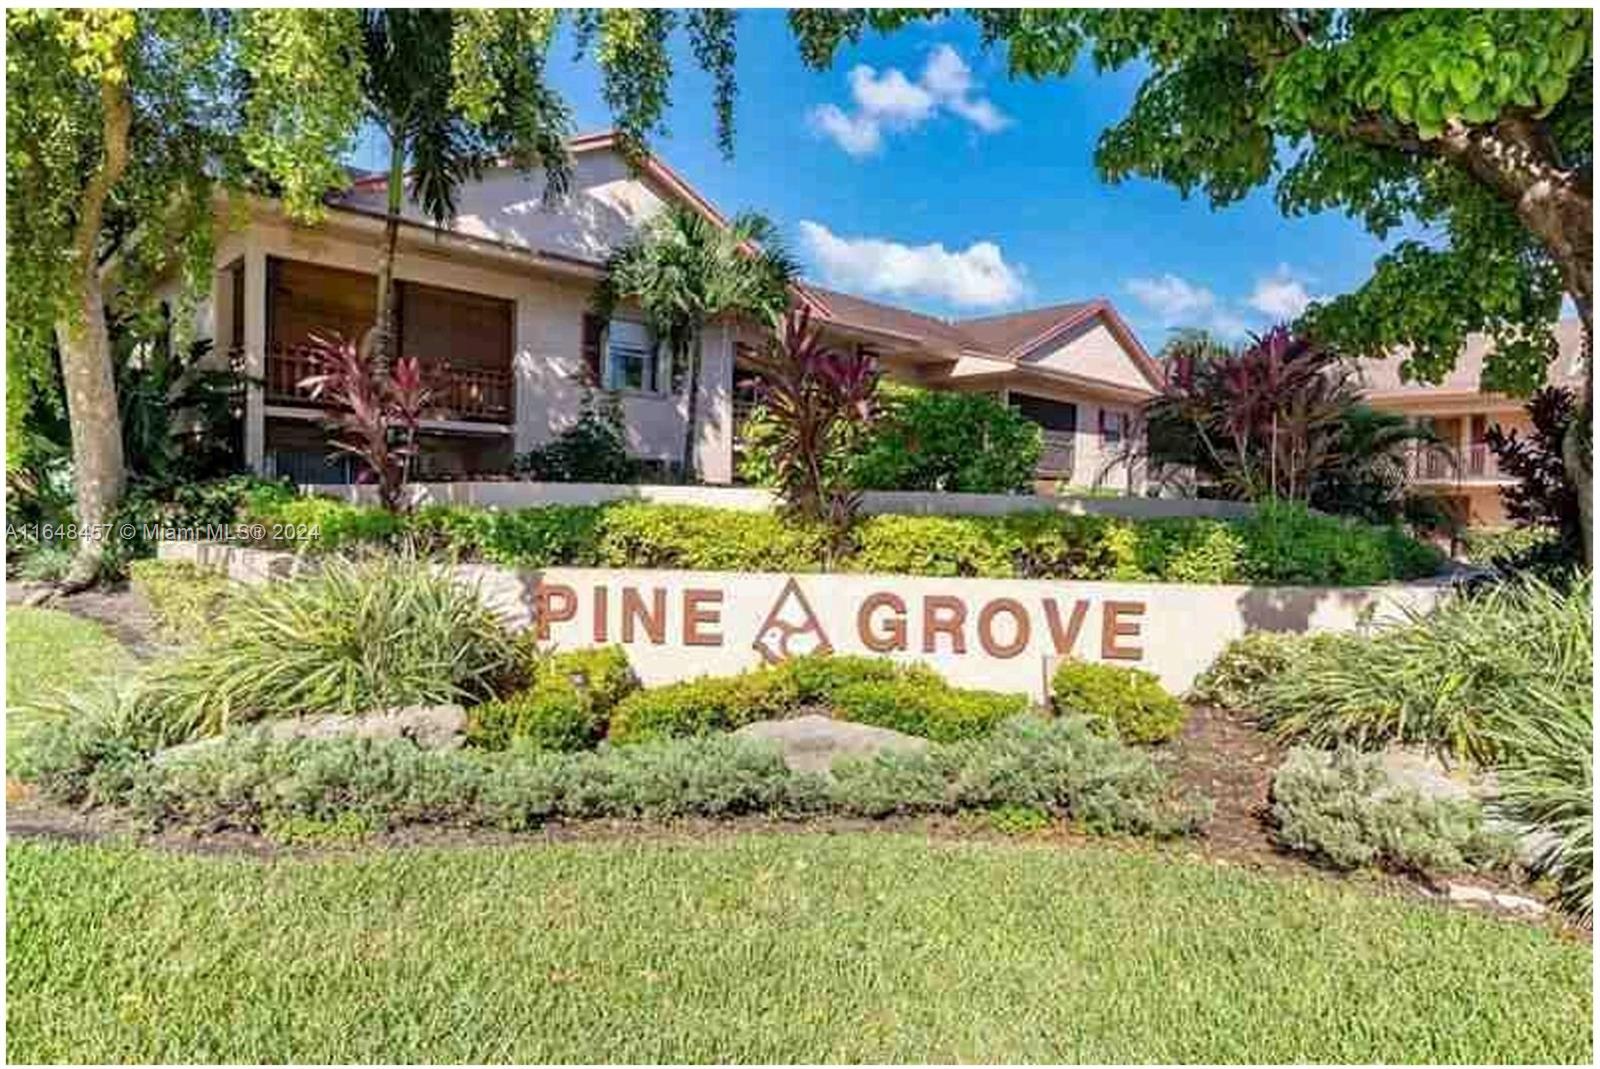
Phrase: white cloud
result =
(975, 277)
(1171, 297)
(1176, 302)
(857, 136)
(890, 97)
(1280, 296)
(892, 101)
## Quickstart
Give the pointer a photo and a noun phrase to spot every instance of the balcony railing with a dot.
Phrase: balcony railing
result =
(1476, 463)
(1056, 458)
(474, 395)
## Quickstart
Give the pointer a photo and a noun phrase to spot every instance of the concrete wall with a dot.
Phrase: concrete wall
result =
(999, 634)
(512, 494)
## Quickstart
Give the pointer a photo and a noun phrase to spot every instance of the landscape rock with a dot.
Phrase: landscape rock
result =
(1424, 773)
(811, 743)
(431, 727)
(1465, 894)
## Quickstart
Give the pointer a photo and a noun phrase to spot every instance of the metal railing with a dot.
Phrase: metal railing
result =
(1057, 456)
(477, 395)
(1476, 463)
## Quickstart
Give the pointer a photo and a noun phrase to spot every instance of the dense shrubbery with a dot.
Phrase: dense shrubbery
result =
(914, 700)
(943, 440)
(567, 706)
(1236, 678)
(184, 598)
(1279, 544)
(1443, 679)
(1129, 701)
(921, 440)
(247, 781)
(593, 450)
(1545, 780)
(1341, 808)
(381, 632)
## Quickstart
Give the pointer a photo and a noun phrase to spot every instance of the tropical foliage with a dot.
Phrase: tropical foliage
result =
(937, 440)
(1279, 418)
(684, 270)
(1544, 495)
(375, 410)
(819, 402)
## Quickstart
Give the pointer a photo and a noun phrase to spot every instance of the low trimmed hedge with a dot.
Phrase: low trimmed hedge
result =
(1279, 544)
(910, 699)
(1129, 701)
(249, 782)
(566, 706)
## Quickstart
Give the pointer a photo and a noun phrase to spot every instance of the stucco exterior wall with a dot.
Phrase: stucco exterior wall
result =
(547, 359)
(603, 206)
(1091, 351)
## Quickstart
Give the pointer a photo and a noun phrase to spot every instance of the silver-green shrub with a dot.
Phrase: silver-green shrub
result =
(1342, 809)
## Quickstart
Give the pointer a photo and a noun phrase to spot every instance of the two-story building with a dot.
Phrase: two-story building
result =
(1465, 476)
(497, 306)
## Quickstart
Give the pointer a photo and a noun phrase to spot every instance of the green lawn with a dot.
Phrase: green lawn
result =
(48, 650)
(758, 948)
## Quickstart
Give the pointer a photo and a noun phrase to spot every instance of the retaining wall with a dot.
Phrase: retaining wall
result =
(1003, 634)
(511, 494)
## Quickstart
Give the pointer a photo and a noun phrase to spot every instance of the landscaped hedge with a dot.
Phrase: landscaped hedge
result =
(914, 700)
(246, 781)
(1280, 544)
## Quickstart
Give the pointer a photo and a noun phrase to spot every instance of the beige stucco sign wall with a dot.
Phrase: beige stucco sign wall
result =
(999, 634)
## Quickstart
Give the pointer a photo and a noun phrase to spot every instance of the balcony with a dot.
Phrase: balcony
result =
(468, 395)
(1475, 464)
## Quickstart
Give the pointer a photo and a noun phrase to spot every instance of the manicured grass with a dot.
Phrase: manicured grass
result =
(49, 650)
(760, 948)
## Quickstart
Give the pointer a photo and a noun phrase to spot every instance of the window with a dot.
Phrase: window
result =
(1113, 427)
(633, 360)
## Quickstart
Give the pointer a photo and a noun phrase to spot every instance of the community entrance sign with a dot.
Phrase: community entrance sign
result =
(1002, 634)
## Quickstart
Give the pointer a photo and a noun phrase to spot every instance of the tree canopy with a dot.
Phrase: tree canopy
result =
(1473, 130)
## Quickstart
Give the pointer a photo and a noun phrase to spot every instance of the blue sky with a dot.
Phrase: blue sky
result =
(915, 156)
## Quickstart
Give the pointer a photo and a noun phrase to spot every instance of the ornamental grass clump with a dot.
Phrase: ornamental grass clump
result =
(380, 632)
(1545, 781)
(1444, 679)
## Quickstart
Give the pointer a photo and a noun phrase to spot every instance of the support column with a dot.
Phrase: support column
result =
(714, 436)
(255, 356)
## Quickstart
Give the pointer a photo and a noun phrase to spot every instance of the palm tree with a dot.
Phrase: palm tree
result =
(446, 126)
(684, 270)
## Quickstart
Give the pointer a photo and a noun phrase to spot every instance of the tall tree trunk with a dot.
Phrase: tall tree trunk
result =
(1518, 160)
(1577, 446)
(691, 353)
(98, 472)
(383, 336)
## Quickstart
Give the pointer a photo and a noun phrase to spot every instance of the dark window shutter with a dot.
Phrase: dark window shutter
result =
(594, 329)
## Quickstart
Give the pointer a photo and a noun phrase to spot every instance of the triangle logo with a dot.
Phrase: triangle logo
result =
(791, 629)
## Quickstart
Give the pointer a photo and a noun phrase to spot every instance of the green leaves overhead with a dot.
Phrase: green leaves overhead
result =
(304, 104)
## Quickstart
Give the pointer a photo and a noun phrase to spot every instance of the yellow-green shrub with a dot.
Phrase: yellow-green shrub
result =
(1128, 700)
(567, 706)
